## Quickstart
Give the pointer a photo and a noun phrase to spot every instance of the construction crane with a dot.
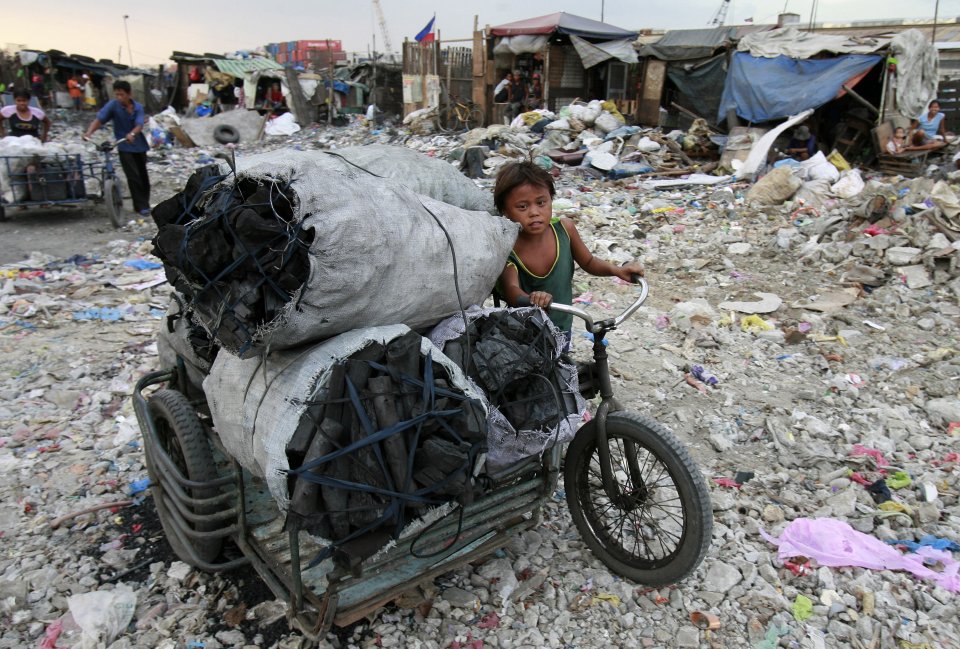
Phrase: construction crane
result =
(718, 18)
(387, 45)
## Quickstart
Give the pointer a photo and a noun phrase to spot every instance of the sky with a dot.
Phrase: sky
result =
(96, 27)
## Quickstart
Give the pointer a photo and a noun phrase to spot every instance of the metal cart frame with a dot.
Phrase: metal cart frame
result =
(52, 189)
(344, 589)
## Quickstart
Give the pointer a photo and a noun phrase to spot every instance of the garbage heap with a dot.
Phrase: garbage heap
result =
(593, 136)
(312, 277)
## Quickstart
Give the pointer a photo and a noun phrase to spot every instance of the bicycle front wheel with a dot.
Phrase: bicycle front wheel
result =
(656, 528)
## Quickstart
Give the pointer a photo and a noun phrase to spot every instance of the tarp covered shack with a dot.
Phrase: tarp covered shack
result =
(695, 61)
(576, 57)
(785, 71)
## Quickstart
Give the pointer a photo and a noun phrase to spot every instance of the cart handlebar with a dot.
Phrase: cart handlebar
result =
(588, 319)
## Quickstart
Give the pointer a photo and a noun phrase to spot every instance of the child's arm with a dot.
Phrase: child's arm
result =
(591, 264)
(510, 287)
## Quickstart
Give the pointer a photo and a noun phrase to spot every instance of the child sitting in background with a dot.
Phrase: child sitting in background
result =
(540, 266)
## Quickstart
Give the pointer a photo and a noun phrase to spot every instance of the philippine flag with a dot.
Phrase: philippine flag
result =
(426, 34)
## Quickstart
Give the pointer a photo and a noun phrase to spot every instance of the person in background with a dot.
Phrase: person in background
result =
(274, 98)
(898, 142)
(803, 145)
(25, 119)
(38, 89)
(502, 92)
(75, 88)
(517, 95)
(128, 120)
(535, 96)
(928, 130)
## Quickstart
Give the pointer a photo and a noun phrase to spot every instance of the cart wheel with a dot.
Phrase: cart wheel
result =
(183, 438)
(114, 201)
(657, 529)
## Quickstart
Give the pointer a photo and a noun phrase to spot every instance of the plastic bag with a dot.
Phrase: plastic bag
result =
(102, 615)
(831, 542)
(849, 185)
(606, 123)
(817, 168)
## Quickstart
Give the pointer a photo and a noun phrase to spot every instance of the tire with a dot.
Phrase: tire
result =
(677, 478)
(226, 134)
(113, 199)
(185, 441)
(3, 213)
(474, 118)
(446, 119)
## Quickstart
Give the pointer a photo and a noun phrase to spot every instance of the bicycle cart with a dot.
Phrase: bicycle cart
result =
(61, 179)
(635, 495)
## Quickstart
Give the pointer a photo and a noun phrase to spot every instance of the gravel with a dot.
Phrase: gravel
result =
(790, 406)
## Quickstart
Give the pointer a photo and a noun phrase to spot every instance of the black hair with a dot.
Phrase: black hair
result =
(514, 174)
(21, 93)
(120, 84)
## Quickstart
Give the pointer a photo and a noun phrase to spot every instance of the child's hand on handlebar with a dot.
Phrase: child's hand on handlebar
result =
(540, 299)
(627, 271)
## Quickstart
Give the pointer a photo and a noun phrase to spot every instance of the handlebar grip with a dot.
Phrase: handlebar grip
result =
(523, 301)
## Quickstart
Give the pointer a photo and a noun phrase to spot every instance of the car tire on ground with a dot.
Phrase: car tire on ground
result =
(226, 134)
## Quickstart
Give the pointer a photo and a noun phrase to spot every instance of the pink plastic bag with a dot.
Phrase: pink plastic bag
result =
(831, 542)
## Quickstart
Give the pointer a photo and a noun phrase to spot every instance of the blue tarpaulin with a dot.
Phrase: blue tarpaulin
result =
(762, 89)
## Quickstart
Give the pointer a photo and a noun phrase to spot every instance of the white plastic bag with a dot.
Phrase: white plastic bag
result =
(817, 168)
(849, 185)
(282, 125)
(102, 615)
(606, 123)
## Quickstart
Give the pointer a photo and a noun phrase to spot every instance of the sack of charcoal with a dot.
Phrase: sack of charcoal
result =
(363, 432)
(296, 247)
(180, 340)
(531, 391)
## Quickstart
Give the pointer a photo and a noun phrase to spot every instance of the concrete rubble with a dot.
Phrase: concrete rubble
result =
(804, 346)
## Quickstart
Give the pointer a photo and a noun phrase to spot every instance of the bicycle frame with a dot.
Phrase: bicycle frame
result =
(608, 403)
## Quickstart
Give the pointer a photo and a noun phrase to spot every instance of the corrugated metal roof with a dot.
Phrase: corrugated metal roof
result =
(239, 67)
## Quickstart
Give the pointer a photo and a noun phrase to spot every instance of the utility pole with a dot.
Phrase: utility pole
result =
(602, 3)
(127, 32)
(936, 14)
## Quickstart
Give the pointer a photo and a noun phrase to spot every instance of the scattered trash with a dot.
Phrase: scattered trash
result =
(705, 621)
(802, 608)
(834, 543)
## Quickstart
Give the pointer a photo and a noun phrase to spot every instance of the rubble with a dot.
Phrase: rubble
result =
(825, 403)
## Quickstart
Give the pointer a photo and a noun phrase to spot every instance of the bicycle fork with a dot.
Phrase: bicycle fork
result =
(608, 404)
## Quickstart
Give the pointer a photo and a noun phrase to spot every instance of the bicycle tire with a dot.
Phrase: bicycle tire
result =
(113, 199)
(627, 434)
(474, 118)
(445, 119)
(185, 441)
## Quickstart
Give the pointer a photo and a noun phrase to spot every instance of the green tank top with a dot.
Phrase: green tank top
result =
(558, 282)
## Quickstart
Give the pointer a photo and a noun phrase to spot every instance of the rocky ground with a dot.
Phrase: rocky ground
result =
(851, 377)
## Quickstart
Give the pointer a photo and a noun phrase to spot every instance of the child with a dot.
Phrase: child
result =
(897, 143)
(540, 266)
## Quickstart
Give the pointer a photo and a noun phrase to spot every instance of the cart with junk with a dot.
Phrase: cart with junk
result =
(39, 177)
(354, 466)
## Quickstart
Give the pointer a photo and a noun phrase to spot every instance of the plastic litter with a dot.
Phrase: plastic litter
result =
(754, 324)
(102, 615)
(899, 480)
(834, 543)
(928, 541)
(802, 608)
